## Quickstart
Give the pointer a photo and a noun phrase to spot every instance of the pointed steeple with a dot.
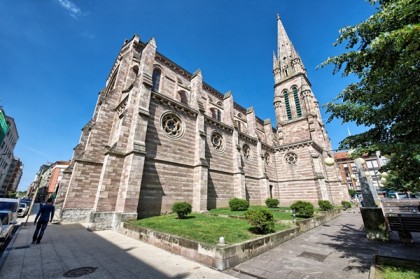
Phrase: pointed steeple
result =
(289, 61)
(284, 45)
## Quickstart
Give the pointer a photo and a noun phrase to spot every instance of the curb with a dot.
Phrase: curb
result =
(9, 247)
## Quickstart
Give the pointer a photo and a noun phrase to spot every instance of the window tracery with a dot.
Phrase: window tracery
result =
(172, 125)
(217, 141)
(291, 158)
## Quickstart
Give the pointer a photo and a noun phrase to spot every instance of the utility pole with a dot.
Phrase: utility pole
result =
(35, 194)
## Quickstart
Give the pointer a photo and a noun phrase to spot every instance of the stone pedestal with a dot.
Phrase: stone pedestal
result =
(374, 223)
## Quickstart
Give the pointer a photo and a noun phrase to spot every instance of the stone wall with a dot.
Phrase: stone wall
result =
(222, 257)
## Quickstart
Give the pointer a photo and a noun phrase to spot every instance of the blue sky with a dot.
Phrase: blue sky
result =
(55, 56)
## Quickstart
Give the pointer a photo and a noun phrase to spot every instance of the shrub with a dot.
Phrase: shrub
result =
(303, 209)
(182, 209)
(261, 219)
(236, 204)
(325, 205)
(271, 203)
(346, 204)
(352, 193)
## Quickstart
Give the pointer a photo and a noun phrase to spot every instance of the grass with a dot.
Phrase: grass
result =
(398, 272)
(278, 215)
(203, 228)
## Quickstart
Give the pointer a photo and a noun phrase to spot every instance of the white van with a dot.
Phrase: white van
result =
(11, 205)
(397, 195)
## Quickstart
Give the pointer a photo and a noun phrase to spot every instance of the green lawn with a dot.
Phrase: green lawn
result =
(398, 272)
(203, 228)
(278, 215)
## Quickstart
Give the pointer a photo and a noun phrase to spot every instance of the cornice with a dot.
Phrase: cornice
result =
(294, 145)
(247, 138)
(218, 124)
(174, 104)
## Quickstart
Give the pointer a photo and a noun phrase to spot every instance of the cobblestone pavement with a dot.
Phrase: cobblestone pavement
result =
(337, 249)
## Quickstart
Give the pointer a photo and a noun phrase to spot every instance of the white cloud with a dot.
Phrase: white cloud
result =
(73, 10)
(88, 35)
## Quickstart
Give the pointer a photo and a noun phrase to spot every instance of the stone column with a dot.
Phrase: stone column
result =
(373, 216)
(263, 180)
(201, 172)
(238, 168)
(200, 187)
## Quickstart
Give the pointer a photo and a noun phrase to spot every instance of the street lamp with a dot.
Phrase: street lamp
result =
(329, 161)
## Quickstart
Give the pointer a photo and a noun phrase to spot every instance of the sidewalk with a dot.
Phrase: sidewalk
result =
(110, 254)
(337, 249)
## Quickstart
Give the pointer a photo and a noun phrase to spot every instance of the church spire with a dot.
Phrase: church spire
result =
(289, 62)
(283, 42)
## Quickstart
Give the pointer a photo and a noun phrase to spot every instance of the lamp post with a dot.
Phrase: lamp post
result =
(38, 184)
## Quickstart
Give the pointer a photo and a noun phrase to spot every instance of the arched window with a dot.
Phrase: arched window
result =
(297, 102)
(156, 79)
(216, 114)
(183, 97)
(286, 101)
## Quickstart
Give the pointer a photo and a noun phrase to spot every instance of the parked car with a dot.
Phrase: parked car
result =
(5, 217)
(26, 200)
(23, 209)
(11, 205)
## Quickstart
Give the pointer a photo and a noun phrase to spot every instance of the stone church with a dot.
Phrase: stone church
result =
(160, 134)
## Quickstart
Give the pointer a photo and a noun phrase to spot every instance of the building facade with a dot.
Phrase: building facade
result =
(56, 175)
(39, 186)
(160, 135)
(7, 158)
(13, 175)
(348, 170)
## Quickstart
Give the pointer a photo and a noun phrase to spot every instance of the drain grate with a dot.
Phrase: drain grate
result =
(314, 256)
(78, 272)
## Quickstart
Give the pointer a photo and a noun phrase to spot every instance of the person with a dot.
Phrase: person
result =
(45, 214)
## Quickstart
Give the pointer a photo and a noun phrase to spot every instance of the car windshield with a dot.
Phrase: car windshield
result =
(12, 206)
(23, 204)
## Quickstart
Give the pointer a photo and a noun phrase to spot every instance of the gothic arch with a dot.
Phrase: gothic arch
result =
(156, 79)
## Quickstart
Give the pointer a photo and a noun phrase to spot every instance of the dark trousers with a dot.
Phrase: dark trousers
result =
(39, 231)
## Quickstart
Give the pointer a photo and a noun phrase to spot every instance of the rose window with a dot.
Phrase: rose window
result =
(172, 125)
(291, 158)
(217, 141)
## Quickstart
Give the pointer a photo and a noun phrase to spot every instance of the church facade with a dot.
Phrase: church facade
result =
(160, 135)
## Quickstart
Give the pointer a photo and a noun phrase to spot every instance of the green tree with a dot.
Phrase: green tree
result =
(383, 52)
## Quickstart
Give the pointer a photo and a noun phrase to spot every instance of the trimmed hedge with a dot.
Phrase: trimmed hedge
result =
(303, 209)
(182, 209)
(271, 203)
(325, 205)
(346, 204)
(236, 204)
(261, 219)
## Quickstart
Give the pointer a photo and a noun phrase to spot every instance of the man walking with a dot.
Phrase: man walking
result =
(45, 214)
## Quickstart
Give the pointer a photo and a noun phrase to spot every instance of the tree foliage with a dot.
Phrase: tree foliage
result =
(383, 52)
